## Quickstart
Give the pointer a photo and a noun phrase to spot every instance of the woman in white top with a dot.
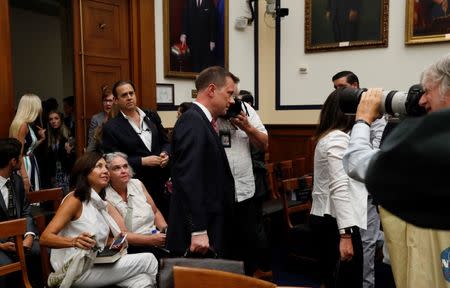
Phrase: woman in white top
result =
(144, 222)
(82, 215)
(333, 219)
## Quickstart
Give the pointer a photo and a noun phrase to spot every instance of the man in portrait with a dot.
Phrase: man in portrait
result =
(199, 32)
(344, 16)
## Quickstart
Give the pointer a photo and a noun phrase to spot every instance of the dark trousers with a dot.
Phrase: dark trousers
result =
(332, 271)
(244, 235)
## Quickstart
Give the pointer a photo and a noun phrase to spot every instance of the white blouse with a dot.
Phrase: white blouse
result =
(334, 193)
(143, 219)
(92, 221)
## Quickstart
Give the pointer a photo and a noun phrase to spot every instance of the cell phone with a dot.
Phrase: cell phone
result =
(118, 241)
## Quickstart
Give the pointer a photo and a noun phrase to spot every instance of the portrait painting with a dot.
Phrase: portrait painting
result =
(345, 24)
(195, 36)
(427, 21)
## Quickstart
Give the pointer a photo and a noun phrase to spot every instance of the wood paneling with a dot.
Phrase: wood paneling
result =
(106, 29)
(6, 82)
(143, 52)
(102, 44)
(287, 142)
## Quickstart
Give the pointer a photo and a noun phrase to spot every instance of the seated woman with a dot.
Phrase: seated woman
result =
(136, 206)
(83, 214)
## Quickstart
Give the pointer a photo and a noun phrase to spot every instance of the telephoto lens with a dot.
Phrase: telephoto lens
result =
(393, 102)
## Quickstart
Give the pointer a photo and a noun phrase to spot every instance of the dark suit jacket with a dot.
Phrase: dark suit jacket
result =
(409, 175)
(119, 135)
(203, 186)
(23, 208)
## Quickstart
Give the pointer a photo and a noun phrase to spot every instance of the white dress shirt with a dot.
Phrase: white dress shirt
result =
(143, 130)
(334, 193)
(4, 189)
(359, 152)
(239, 154)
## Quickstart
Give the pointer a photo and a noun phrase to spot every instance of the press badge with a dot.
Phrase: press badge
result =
(225, 138)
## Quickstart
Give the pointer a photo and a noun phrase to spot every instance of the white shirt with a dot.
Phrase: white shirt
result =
(143, 217)
(4, 189)
(239, 154)
(334, 193)
(205, 110)
(143, 130)
(359, 152)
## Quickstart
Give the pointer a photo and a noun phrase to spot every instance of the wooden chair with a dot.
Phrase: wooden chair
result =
(298, 233)
(272, 181)
(187, 277)
(299, 167)
(15, 228)
(53, 196)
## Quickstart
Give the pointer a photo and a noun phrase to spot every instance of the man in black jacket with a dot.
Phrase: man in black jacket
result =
(142, 137)
(14, 205)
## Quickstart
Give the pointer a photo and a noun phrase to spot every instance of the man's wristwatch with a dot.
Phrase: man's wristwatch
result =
(347, 231)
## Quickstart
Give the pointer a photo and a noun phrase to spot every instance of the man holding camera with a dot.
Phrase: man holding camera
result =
(407, 178)
(238, 131)
(372, 234)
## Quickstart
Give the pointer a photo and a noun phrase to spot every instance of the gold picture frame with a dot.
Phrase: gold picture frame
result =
(186, 61)
(366, 26)
(426, 22)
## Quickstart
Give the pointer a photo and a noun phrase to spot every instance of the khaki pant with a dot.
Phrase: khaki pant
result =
(415, 252)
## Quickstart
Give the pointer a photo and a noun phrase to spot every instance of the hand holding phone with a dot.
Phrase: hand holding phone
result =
(118, 241)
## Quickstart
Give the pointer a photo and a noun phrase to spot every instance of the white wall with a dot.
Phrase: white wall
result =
(36, 54)
(396, 67)
(240, 51)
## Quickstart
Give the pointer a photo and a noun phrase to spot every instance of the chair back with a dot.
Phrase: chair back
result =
(187, 277)
(16, 229)
(166, 265)
(299, 167)
(272, 181)
(296, 197)
(54, 197)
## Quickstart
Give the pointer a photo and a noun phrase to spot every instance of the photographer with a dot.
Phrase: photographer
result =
(407, 178)
(238, 132)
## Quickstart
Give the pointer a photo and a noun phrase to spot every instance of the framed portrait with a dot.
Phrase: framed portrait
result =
(165, 96)
(427, 21)
(340, 25)
(195, 36)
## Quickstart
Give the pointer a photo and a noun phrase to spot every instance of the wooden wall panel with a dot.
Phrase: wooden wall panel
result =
(6, 82)
(287, 142)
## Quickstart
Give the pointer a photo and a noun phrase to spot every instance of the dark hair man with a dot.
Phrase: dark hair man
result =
(203, 188)
(14, 205)
(140, 135)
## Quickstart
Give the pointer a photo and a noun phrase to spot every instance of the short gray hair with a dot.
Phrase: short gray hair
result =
(438, 73)
(111, 156)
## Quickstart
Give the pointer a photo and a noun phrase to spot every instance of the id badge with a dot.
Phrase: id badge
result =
(225, 138)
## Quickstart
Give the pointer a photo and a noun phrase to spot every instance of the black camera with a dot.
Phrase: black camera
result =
(395, 103)
(234, 110)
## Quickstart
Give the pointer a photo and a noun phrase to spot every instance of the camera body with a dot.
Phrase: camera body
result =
(234, 110)
(395, 103)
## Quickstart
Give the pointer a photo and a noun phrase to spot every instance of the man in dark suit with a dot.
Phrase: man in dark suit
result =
(199, 32)
(14, 205)
(142, 137)
(203, 186)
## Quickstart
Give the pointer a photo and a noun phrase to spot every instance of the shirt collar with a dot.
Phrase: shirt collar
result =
(3, 181)
(205, 110)
(140, 112)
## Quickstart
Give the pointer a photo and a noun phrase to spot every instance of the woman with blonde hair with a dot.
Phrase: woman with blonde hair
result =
(30, 135)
